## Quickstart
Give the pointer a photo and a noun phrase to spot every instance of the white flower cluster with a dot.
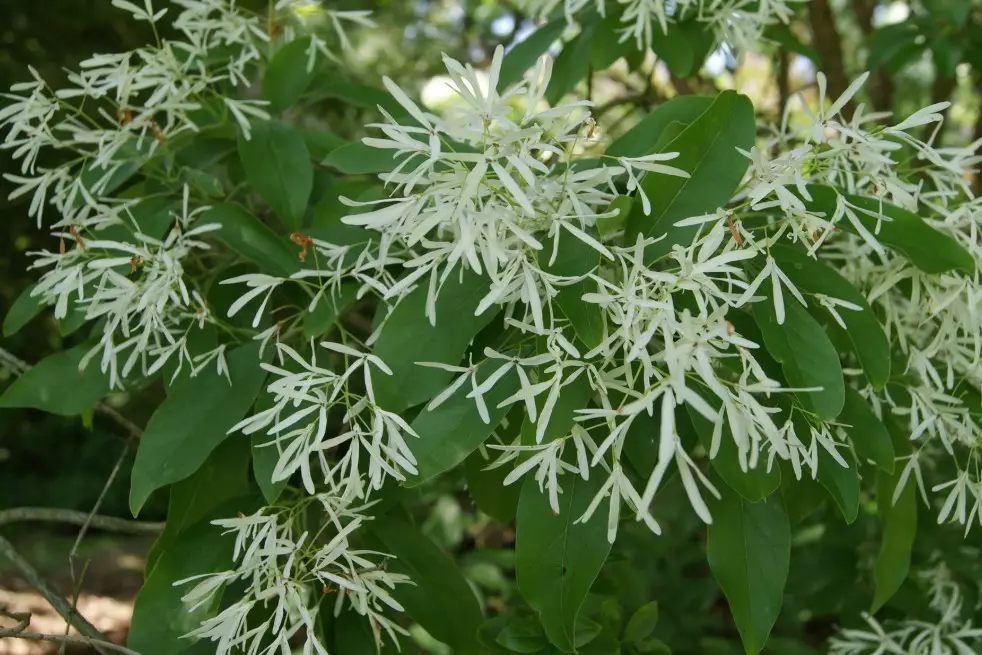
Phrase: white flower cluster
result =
(306, 397)
(736, 23)
(933, 318)
(286, 571)
(949, 634)
(150, 101)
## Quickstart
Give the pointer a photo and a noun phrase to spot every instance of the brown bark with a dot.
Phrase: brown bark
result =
(828, 42)
(880, 84)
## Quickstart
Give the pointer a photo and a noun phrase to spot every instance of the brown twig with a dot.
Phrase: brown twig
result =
(60, 604)
(23, 619)
(783, 81)
(75, 517)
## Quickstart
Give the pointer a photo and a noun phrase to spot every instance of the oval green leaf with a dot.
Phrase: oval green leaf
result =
(277, 166)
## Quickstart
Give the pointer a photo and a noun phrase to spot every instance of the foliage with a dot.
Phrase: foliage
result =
(714, 362)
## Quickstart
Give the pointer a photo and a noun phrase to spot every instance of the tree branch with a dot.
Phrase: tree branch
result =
(56, 600)
(19, 631)
(75, 517)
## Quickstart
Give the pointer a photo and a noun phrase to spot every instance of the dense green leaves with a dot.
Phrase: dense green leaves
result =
(806, 355)
(453, 430)
(707, 151)
(869, 342)
(408, 337)
(287, 77)
(749, 551)
(278, 168)
(253, 239)
(440, 600)
(55, 385)
(928, 249)
(866, 431)
(557, 558)
(641, 139)
(192, 422)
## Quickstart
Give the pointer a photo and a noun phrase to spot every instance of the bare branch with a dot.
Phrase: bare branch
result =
(75, 517)
(24, 620)
(60, 604)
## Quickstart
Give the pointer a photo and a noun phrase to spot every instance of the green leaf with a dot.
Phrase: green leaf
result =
(783, 35)
(887, 41)
(523, 636)
(452, 431)
(522, 56)
(749, 550)
(575, 395)
(328, 309)
(641, 139)
(575, 257)
(250, 237)
(708, 152)
(866, 431)
(842, 483)
(360, 95)
(321, 143)
(286, 77)
(360, 159)
(160, 618)
(56, 386)
(192, 422)
(928, 249)
(73, 321)
(806, 355)
(683, 47)
(266, 453)
(571, 66)
(486, 487)
(223, 476)
(440, 601)
(899, 521)
(642, 623)
(277, 167)
(753, 484)
(24, 308)
(606, 46)
(869, 341)
(408, 337)
(557, 558)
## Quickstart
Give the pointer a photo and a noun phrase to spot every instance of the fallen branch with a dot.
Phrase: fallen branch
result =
(60, 604)
(75, 517)
(19, 631)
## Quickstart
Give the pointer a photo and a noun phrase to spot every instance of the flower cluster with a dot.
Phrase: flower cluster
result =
(736, 23)
(286, 571)
(948, 634)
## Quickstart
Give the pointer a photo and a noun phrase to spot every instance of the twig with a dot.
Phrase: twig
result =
(75, 517)
(96, 639)
(783, 82)
(24, 620)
